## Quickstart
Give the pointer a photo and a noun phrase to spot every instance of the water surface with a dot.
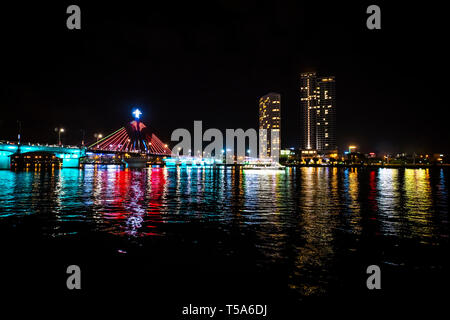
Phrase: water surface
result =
(317, 226)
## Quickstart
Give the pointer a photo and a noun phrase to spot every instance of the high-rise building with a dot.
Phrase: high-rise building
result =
(270, 119)
(318, 112)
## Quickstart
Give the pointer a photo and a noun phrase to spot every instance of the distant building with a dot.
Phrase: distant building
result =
(270, 119)
(318, 113)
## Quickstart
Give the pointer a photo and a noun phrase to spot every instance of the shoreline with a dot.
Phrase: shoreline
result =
(371, 166)
(385, 166)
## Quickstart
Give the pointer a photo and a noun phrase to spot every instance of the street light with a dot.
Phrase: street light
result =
(59, 130)
(98, 136)
(82, 138)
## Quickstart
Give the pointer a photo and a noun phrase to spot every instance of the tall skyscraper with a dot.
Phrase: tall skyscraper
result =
(318, 112)
(270, 119)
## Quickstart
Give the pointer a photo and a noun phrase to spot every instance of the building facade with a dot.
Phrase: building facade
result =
(270, 123)
(318, 112)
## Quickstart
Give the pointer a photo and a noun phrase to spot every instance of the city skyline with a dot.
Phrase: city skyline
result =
(214, 68)
(307, 132)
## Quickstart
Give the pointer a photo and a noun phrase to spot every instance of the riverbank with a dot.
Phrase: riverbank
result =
(386, 165)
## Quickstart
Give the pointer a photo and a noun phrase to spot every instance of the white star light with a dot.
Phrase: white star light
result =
(137, 113)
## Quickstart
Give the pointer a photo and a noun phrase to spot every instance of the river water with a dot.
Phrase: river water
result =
(309, 232)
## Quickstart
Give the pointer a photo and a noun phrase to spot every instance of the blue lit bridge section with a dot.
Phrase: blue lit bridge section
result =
(70, 155)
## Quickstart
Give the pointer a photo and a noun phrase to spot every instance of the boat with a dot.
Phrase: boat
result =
(262, 164)
(186, 161)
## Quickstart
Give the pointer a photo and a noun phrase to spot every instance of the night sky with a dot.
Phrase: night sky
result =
(211, 61)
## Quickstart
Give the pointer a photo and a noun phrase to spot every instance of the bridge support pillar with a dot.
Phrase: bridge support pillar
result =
(71, 163)
(5, 160)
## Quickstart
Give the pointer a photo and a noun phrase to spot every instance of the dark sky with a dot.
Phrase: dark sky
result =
(211, 62)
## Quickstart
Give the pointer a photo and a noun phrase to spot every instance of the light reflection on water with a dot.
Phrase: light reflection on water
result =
(307, 219)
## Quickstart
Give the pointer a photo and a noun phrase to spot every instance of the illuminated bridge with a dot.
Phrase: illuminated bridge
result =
(135, 137)
(70, 156)
(135, 144)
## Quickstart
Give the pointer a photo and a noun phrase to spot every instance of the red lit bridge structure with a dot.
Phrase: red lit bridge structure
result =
(136, 137)
(135, 144)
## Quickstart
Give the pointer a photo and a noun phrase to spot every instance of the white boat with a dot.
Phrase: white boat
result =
(262, 164)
